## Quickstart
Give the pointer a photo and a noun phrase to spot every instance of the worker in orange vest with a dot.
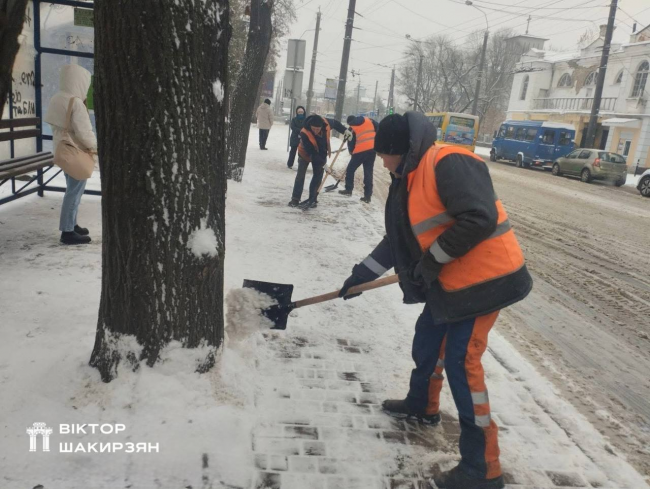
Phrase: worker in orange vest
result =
(449, 238)
(362, 148)
(314, 148)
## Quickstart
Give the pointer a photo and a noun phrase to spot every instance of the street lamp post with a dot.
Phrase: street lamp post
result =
(481, 67)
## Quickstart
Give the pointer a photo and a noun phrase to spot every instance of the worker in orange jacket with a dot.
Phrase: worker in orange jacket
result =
(362, 148)
(449, 238)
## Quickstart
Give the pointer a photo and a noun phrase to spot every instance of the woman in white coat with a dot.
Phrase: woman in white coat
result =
(74, 83)
(264, 121)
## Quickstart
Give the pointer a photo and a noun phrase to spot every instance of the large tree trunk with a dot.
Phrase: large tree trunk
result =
(12, 16)
(243, 97)
(160, 88)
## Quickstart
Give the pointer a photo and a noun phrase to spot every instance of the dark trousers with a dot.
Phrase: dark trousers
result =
(367, 159)
(457, 350)
(292, 156)
(264, 135)
(300, 180)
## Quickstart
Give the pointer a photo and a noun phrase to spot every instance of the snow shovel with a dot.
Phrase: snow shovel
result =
(329, 170)
(279, 312)
(331, 188)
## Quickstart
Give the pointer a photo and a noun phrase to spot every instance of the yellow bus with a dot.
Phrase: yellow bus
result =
(454, 128)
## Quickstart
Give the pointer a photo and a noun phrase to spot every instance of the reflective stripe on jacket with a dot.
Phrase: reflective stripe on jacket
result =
(302, 152)
(495, 257)
(365, 136)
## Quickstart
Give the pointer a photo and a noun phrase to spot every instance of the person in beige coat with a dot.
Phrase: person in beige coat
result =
(74, 82)
(264, 121)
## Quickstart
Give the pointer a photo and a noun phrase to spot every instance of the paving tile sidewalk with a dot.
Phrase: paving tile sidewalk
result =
(324, 429)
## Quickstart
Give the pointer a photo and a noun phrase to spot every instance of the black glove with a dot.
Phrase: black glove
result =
(418, 278)
(357, 278)
(426, 270)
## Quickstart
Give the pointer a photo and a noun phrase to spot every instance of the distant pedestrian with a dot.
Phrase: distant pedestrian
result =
(362, 148)
(296, 126)
(264, 121)
(73, 89)
(314, 148)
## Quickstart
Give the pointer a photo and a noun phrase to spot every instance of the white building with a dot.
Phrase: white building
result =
(560, 87)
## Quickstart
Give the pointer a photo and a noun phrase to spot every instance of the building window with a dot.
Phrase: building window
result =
(565, 81)
(591, 79)
(524, 88)
(619, 78)
(640, 79)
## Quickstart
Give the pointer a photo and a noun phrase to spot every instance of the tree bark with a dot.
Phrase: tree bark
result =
(160, 88)
(243, 98)
(12, 17)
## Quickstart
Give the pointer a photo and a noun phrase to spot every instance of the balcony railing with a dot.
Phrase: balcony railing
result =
(573, 103)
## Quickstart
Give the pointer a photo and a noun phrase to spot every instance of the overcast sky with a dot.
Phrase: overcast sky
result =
(381, 27)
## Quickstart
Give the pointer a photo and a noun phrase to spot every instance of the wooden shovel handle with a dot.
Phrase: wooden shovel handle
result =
(375, 284)
(327, 172)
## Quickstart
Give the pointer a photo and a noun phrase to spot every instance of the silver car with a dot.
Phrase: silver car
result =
(592, 164)
(644, 184)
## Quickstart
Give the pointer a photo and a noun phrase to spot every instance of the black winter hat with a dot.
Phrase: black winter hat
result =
(393, 136)
(267, 101)
(315, 121)
(351, 119)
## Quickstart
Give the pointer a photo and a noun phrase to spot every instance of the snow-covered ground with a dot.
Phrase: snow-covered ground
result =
(292, 409)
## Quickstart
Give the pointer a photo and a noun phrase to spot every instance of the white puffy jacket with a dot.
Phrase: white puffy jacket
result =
(264, 116)
(74, 81)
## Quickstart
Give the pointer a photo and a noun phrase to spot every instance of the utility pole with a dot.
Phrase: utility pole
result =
(374, 101)
(358, 92)
(480, 74)
(391, 99)
(602, 70)
(528, 24)
(293, 86)
(417, 86)
(340, 95)
(310, 90)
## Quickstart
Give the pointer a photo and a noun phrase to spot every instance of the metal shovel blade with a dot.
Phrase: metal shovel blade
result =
(330, 188)
(281, 293)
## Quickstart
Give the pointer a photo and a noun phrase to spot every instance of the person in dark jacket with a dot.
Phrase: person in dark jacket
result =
(362, 148)
(449, 239)
(294, 140)
(314, 148)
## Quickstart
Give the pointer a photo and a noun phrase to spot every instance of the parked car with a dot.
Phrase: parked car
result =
(592, 164)
(532, 143)
(644, 184)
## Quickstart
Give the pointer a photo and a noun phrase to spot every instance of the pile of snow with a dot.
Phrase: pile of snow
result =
(244, 316)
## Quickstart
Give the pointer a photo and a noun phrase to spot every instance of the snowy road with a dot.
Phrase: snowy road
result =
(586, 322)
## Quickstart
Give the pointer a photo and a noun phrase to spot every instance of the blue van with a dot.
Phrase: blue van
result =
(532, 143)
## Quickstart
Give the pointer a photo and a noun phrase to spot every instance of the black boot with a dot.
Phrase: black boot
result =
(80, 230)
(308, 204)
(399, 409)
(345, 192)
(294, 203)
(457, 479)
(365, 199)
(72, 238)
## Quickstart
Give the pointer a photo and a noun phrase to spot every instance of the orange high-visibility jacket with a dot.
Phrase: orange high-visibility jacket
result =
(365, 136)
(497, 256)
(302, 152)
